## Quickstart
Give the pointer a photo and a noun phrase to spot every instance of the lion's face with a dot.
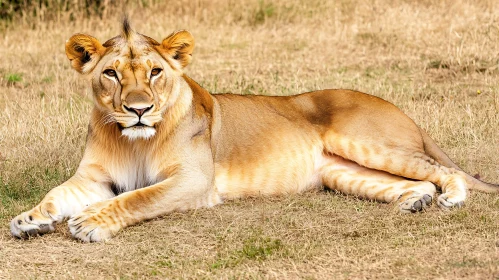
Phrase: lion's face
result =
(134, 78)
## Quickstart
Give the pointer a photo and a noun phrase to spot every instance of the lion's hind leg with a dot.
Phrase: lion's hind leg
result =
(407, 160)
(350, 178)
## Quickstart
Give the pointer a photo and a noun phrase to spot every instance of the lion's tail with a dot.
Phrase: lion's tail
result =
(436, 153)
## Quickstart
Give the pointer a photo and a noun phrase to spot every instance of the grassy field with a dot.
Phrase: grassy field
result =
(437, 60)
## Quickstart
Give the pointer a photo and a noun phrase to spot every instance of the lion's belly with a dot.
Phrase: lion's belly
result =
(266, 146)
(278, 173)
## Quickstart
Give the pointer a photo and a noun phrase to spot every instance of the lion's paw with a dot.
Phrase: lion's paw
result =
(447, 201)
(93, 225)
(415, 203)
(31, 223)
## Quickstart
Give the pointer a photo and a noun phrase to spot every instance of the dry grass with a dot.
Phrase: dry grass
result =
(438, 62)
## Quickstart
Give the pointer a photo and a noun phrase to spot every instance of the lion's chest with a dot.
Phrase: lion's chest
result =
(128, 175)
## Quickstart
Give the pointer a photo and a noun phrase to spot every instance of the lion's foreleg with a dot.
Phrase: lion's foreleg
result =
(103, 220)
(61, 202)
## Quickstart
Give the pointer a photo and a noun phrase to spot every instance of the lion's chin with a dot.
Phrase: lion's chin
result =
(138, 132)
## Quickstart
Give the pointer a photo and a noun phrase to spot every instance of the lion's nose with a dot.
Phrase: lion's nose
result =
(138, 111)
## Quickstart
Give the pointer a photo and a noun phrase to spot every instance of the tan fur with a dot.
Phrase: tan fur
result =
(192, 149)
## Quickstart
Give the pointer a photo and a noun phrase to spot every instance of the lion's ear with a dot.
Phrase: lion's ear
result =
(84, 52)
(179, 46)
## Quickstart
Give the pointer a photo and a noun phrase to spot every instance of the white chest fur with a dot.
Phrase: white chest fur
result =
(132, 172)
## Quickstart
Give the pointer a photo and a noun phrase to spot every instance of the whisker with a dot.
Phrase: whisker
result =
(108, 118)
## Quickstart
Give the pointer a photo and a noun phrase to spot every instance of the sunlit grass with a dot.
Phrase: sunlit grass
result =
(437, 61)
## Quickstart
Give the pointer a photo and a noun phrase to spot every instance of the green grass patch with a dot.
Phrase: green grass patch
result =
(255, 248)
(264, 11)
(13, 78)
(26, 188)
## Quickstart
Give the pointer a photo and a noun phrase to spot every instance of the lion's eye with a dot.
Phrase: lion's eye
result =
(110, 72)
(156, 71)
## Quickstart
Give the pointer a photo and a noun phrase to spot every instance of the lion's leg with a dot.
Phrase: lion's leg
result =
(60, 203)
(406, 162)
(103, 220)
(350, 178)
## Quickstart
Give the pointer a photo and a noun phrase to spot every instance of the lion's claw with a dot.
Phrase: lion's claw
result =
(415, 203)
(90, 225)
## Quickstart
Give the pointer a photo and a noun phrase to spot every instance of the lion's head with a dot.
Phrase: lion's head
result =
(134, 78)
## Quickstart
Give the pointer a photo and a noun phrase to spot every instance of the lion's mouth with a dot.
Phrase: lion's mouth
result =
(137, 125)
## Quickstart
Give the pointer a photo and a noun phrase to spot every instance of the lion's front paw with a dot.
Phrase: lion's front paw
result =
(30, 224)
(94, 224)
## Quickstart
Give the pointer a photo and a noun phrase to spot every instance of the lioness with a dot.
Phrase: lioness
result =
(158, 142)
